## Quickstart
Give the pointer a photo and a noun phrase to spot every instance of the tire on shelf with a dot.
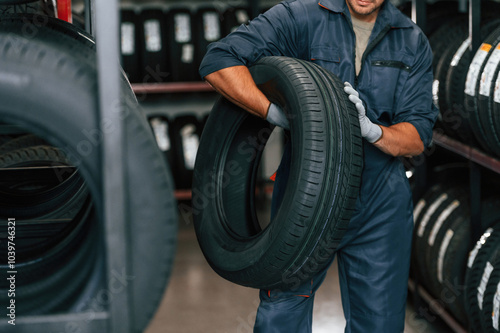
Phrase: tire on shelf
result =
(183, 48)
(454, 85)
(476, 265)
(23, 141)
(440, 41)
(33, 199)
(472, 87)
(426, 212)
(207, 28)
(154, 47)
(61, 71)
(325, 140)
(186, 133)
(14, 2)
(162, 130)
(439, 13)
(67, 260)
(233, 18)
(438, 240)
(491, 297)
(494, 102)
(485, 98)
(130, 51)
(448, 259)
(449, 122)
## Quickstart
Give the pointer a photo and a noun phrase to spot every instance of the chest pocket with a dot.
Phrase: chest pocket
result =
(326, 57)
(388, 75)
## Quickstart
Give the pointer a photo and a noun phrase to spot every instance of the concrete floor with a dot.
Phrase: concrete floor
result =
(198, 300)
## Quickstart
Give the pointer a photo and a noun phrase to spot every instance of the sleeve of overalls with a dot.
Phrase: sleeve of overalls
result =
(274, 33)
(416, 106)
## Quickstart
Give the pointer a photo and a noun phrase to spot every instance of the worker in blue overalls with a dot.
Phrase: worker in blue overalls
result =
(386, 63)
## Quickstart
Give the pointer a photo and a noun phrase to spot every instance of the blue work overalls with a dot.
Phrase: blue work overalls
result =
(395, 84)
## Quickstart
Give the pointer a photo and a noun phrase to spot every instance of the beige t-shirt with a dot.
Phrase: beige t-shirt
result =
(362, 30)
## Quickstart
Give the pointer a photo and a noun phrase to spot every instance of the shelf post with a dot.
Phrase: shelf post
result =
(419, 13)
(475, 24)
(254, 8)
(114, 186)
(475, 202)
(89, 17)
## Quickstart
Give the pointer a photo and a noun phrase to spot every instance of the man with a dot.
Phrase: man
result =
(386, 62)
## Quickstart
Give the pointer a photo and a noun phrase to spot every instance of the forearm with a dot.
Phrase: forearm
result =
(400, 140)
(237, 85)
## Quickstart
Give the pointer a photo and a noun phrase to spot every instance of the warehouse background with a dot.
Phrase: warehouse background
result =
(455, 274)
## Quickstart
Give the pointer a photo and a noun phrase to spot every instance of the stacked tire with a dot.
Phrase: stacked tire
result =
(482, 284)
(442, 243)
(167, 44)
(62, 266)
(178, 138)
(482, 93)
(466, 82)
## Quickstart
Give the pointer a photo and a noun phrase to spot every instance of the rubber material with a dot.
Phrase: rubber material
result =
(471, 97)
(233, 18)
(439, 41)
(319, 198)
(14, 2)
(207, 29)
(23, 141)
(186, 133)
(457, 117)
(490, 313)
(153, 45)
(130, 42)
(485, 101)
(433, 203)
(183, 48)
(162, 129)
(61, 86)
(33, 199)
(473, 276)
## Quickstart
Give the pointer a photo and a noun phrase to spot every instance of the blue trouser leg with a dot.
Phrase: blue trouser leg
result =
(373, 261)
(373, 274)
(287, 311)
(373, 282)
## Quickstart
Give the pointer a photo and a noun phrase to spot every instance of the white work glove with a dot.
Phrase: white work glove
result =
(277, 117)
(370, 131)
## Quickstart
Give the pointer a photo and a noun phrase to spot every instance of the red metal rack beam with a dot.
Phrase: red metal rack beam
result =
(64, 10)
(172, 87)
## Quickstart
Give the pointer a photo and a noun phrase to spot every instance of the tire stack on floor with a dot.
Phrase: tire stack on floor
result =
(441, 261)
(60, 232)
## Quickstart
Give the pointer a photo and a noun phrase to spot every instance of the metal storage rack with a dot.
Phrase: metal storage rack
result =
(117, 317)
(476, 159)
(102, 21)
(254, 7)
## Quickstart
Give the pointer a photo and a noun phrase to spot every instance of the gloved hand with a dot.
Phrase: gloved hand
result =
(369, 130)
(277, 117)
